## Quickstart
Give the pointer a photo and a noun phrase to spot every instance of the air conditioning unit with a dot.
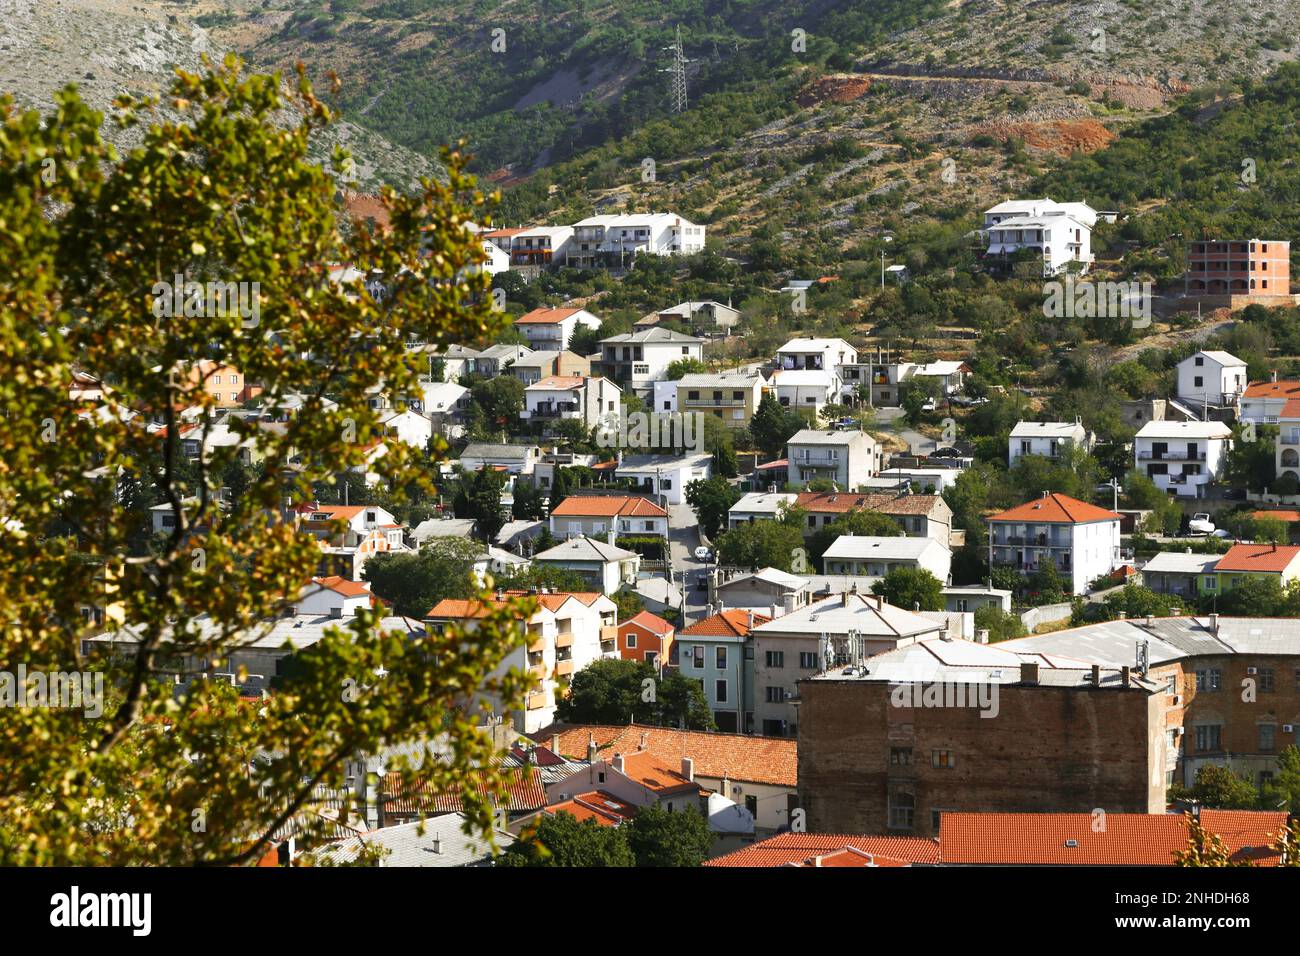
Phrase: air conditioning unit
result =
(1252, 670)
(1178, 699)
(1178, 731)
(1288, 728)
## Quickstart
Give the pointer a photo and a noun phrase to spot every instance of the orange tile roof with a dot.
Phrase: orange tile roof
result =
(1271, 389)
(822, 502)
(559, 382)
(850, 857)
(1054, 508)
(458, 608)
(652, 623)
(524, 792)
(341, 585)
(607, 506)
(741, 757)
(656, 773)
(503, 233)
(338, 511)
(545, 316)
(799, 847)
(1258, 557)
(605, 808)
(1291, 409)
(1128, 839)
(733, 623)
(1279, 515)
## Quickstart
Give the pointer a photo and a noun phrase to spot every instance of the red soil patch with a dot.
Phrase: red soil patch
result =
(1062, 137)
(833, 89)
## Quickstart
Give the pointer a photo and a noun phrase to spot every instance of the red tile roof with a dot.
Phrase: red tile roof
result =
(1280, 515)
(1271, 390)
(340, 585)
(457, 608)
(734, 623)
(1079, 839)
(605, 808)
(1291, 409)
(607, 506)
(1054, 508)
(652, 623)
(545, 316)
(889, 503)
(801, 847)
(524, 793)
(1258, 557)
(559, 383)
(741, 757)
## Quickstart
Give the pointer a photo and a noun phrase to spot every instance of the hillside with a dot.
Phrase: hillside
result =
(108, 47)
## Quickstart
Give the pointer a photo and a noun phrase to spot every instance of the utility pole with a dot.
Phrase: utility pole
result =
(1114, 487)
(677, 93)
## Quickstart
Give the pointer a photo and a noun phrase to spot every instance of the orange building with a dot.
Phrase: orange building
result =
(645, 637)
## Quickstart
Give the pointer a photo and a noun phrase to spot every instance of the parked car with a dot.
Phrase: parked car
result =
(1200, 524)
(1234, 494)
(703, 553)
(930, 405)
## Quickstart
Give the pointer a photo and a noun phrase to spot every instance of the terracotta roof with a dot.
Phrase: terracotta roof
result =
(886, 503)
(1291, 409)
(524, 793)
(733, 623)
(503, 233)
(648, 622)
(605, 808)
(1271, 390)
(343, 586)
(1257, 557)
(850, 857)
(338, 511)
(1127, 839)
(657, 773)
(559, 382)
(799, 847)
(1279, 515)
(742, 757)
(458, 608)
(606, 506)
(1055, 508)
(545, 316)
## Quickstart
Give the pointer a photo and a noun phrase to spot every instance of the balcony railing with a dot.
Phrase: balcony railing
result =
(1171, 456)
(536, 701)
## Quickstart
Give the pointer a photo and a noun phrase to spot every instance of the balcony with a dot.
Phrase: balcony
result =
(539, 671)
(609, 634)
(536, 701)
(715, 402)
(564, 639)
(564, 668)
(551, 412)
(1171, 456)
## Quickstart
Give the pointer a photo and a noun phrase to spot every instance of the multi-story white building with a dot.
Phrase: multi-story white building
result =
(1287, 450)
(665, 475)
(847, 458)
(1182, 457)
(1048, 439)
(813, 389)
(614, 240)
(540, 246)
(366, 530)
(1214, 378)
(815, 354)
(568, 632)
(730, 396)
(1081, 539)
(600, 563)
(597, 515)
(760, 506)
(873, 556)
(641, 358)
(1061, 233)
(561, 397)
(551, 330)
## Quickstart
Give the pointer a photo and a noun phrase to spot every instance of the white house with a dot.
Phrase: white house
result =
(873, 556)
(1182, 457)
(367, 530)
(567, 633)
(614, 240)
(1081, 539)
(1048, 439)
(847, 458)
(662, 474)
(323, 595)
(951, 374)
(495, 359)
(813, 389)
(602, 564)
(815, 354)
(561, 397)
(1060, 232)
(496, 260)
(759, 506)
(514, 459)
(1214, 378)
(641, 358)
(550, 330)
(407, 426)
(665, 397)
(540, 245)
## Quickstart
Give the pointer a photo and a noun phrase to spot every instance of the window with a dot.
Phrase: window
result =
(1198, 381)
(776, 695)
(934, 820)
(697, 655)
(692, 396)
(1207, 738)
(631, 640)
(900, 756)
(720, 658)
(942, 759)
(1208, 680)
(1267, 736)
(901, 808)
(1266, 685)
(720, 691)
(1212, 584)
(808, 660)
(775, 658)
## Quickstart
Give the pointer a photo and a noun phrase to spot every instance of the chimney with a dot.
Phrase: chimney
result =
(1124, 675)
(1272, 375)
(1096, 675)
(688, 769)
(591, 751)
(774, 612)
(617, 763)
(1028, 672)
(1214, 624)
(645, 740)
(555, 744)
(751, 619)
(609, 536)
(437, 844)
(982, 635)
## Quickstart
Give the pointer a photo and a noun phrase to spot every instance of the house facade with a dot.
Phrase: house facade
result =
(597, 515)
(731, 397)
(1048, 439)
(1182, 457)
(571, 398)
(1214, 378)
(1080, 539)
(639, 359)
(550, 330)
(847, 458)
(715, 652)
